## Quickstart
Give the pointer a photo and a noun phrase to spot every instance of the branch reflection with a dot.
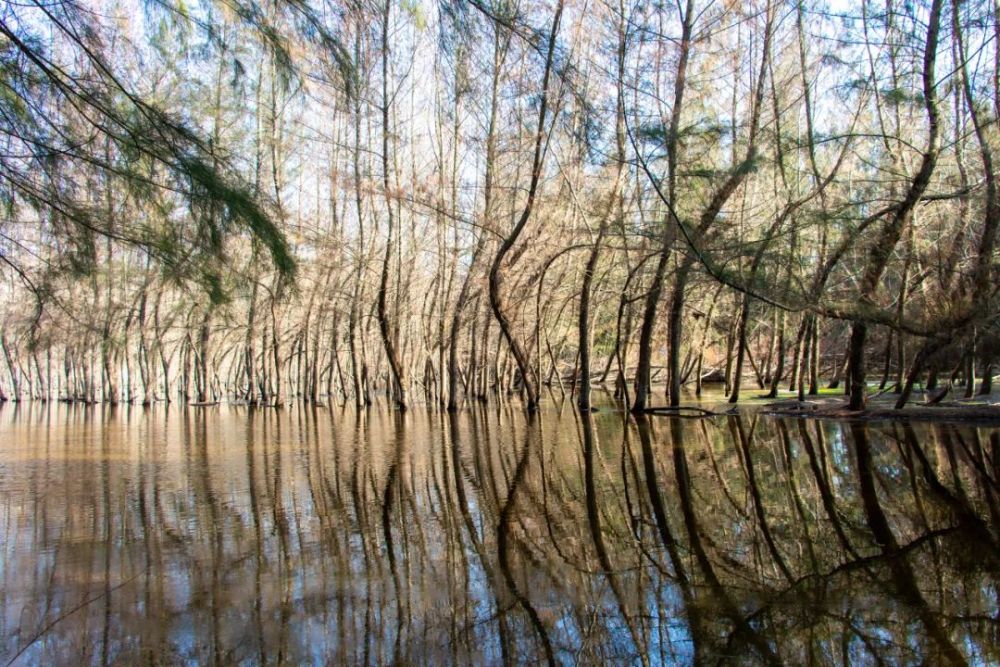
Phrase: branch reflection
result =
(220, 536)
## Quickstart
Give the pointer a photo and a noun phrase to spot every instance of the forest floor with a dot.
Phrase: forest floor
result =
(832, 404)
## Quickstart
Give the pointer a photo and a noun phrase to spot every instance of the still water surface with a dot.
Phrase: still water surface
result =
(318, 536)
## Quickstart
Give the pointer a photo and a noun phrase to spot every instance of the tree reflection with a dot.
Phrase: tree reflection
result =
(485, 537)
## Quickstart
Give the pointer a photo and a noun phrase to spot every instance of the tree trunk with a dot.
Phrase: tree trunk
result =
(497, 300)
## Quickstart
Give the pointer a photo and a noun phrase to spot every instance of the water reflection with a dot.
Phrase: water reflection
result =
(221, 536)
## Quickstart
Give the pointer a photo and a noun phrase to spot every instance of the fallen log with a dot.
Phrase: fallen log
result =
(680, 410)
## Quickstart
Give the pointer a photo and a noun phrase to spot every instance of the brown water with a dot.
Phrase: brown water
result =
(218, 535)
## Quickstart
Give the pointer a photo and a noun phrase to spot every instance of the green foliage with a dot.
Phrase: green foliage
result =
(96, 158)
(705, 129)
(211, 189)
(900, 96)
(413, 9)
(710, 174)
(749, 165)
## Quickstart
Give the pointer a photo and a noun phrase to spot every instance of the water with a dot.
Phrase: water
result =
(221, 536)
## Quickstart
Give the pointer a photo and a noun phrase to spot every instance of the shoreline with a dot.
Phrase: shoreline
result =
(978, 412)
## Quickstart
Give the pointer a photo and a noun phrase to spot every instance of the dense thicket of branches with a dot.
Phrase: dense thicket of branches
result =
(444, 200)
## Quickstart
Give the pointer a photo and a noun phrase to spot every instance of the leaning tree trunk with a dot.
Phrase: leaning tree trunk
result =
(498, 301)
(500, 45)
(879, 254)
(642, 373)
(385, 327)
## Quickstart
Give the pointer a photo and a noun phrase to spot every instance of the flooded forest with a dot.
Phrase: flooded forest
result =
(499, 332)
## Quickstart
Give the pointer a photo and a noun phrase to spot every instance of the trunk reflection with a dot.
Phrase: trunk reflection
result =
(220, 536)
